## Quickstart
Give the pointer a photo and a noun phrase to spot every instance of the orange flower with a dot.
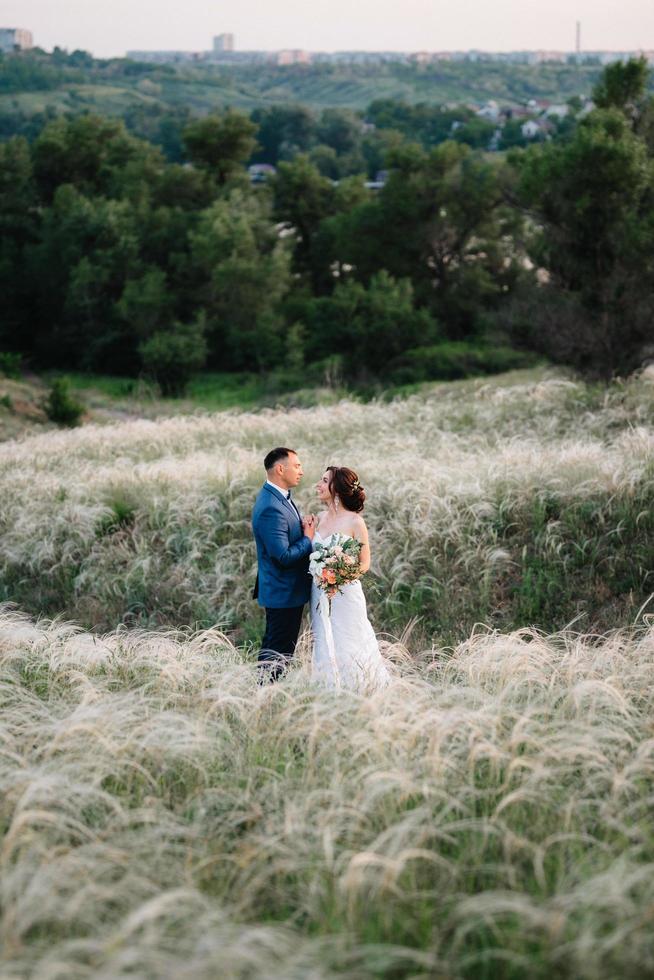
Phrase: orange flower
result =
(330, 576)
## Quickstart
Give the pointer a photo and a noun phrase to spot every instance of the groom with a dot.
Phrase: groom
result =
(284, 542)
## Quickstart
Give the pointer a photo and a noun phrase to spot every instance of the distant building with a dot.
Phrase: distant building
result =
(167, 57)
(223, 42)
(530, 129)
(261, 172)
(547, 56)
(557, 110)
(224, 52)
(292, 58)
(358, 57)
(15, 39)
(490, 111)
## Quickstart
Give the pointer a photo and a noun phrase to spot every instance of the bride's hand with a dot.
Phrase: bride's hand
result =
(309, 526)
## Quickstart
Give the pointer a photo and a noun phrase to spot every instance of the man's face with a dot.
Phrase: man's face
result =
(290, 471)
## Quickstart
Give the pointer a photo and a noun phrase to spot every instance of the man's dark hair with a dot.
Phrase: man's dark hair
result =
(275, 455)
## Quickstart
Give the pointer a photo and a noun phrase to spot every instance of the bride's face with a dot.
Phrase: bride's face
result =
(322, 488)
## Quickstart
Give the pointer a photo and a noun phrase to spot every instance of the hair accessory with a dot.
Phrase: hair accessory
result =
(356, 485)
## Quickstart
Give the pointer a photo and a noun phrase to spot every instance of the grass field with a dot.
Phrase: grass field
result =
(508, 501)
(108, 398)
(488, 816)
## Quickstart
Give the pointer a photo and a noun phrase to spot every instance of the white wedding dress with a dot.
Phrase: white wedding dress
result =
(345, 649)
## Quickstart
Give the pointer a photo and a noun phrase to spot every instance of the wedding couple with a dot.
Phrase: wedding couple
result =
(345, 650)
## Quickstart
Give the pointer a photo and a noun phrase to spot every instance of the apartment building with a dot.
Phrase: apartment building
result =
(223, 42)
(15, 39)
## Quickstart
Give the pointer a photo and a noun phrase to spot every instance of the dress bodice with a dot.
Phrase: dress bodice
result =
(345, 649)
(333, 533)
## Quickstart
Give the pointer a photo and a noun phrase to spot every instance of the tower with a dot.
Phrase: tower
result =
(224, 42)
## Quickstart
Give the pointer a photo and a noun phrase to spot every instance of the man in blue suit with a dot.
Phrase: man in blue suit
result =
(284, 542)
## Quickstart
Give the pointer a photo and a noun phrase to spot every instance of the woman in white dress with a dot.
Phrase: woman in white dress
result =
(345, 649)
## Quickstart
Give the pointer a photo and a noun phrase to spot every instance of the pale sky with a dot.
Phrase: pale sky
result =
(111, 27)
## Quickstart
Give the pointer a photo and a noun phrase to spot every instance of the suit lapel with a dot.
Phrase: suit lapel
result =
(284, 500)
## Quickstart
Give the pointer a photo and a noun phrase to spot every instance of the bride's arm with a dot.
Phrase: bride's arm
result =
(361, 534)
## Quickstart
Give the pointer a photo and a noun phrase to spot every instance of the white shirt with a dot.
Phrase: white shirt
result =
(279, 489)
(285, 494)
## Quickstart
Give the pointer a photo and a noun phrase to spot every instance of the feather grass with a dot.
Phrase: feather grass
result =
(507, 503)
(488, 815)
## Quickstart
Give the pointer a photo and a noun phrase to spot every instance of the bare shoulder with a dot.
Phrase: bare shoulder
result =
(359, 528)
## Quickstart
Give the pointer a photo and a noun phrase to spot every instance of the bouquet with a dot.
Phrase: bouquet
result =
(335, 563)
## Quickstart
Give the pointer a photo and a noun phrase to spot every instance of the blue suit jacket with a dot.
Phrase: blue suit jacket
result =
(283, 552)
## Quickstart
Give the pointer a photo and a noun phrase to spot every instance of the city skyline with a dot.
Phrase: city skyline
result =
(110, 29)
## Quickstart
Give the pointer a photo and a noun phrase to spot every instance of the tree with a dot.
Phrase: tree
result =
(439, 221)
(173, 356)
(88, 248)
(146, 302)
(221, 143)
(94, 154)
(18, 228)
(340, 129)
(425, 123)
(325, 160)
(303, 198)
(283, 132)
(512, 135)
(591, 198)
(476, 133)
(369, 326)
(242, 272)
(622, 85)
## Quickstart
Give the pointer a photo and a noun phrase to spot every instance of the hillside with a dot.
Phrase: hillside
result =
(487, 816)
(111, 87)
(511, 501)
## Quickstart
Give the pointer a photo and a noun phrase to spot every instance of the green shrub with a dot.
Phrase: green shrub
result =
(121, 515)
(60, 406)
(456, 359)
(6, 402)
(10, 364)
(173, 357)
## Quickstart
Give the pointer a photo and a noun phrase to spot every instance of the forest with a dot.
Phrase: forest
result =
(122, 254)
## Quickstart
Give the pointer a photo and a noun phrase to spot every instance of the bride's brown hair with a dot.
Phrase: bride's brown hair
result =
(345, 484)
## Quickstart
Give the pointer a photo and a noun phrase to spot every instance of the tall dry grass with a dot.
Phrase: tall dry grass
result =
(511, 502)
(489, 815)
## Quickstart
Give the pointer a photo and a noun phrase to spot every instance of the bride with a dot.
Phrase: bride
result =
(345, 649)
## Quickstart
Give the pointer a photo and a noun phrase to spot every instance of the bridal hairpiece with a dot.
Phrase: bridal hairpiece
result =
(356, 486)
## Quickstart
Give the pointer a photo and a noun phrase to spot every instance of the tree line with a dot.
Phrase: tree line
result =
(339, 141)
(114, 258)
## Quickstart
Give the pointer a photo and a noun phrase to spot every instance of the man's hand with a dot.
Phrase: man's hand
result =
(309, 526)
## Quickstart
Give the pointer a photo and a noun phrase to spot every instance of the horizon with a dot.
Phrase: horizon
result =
(332, 26)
